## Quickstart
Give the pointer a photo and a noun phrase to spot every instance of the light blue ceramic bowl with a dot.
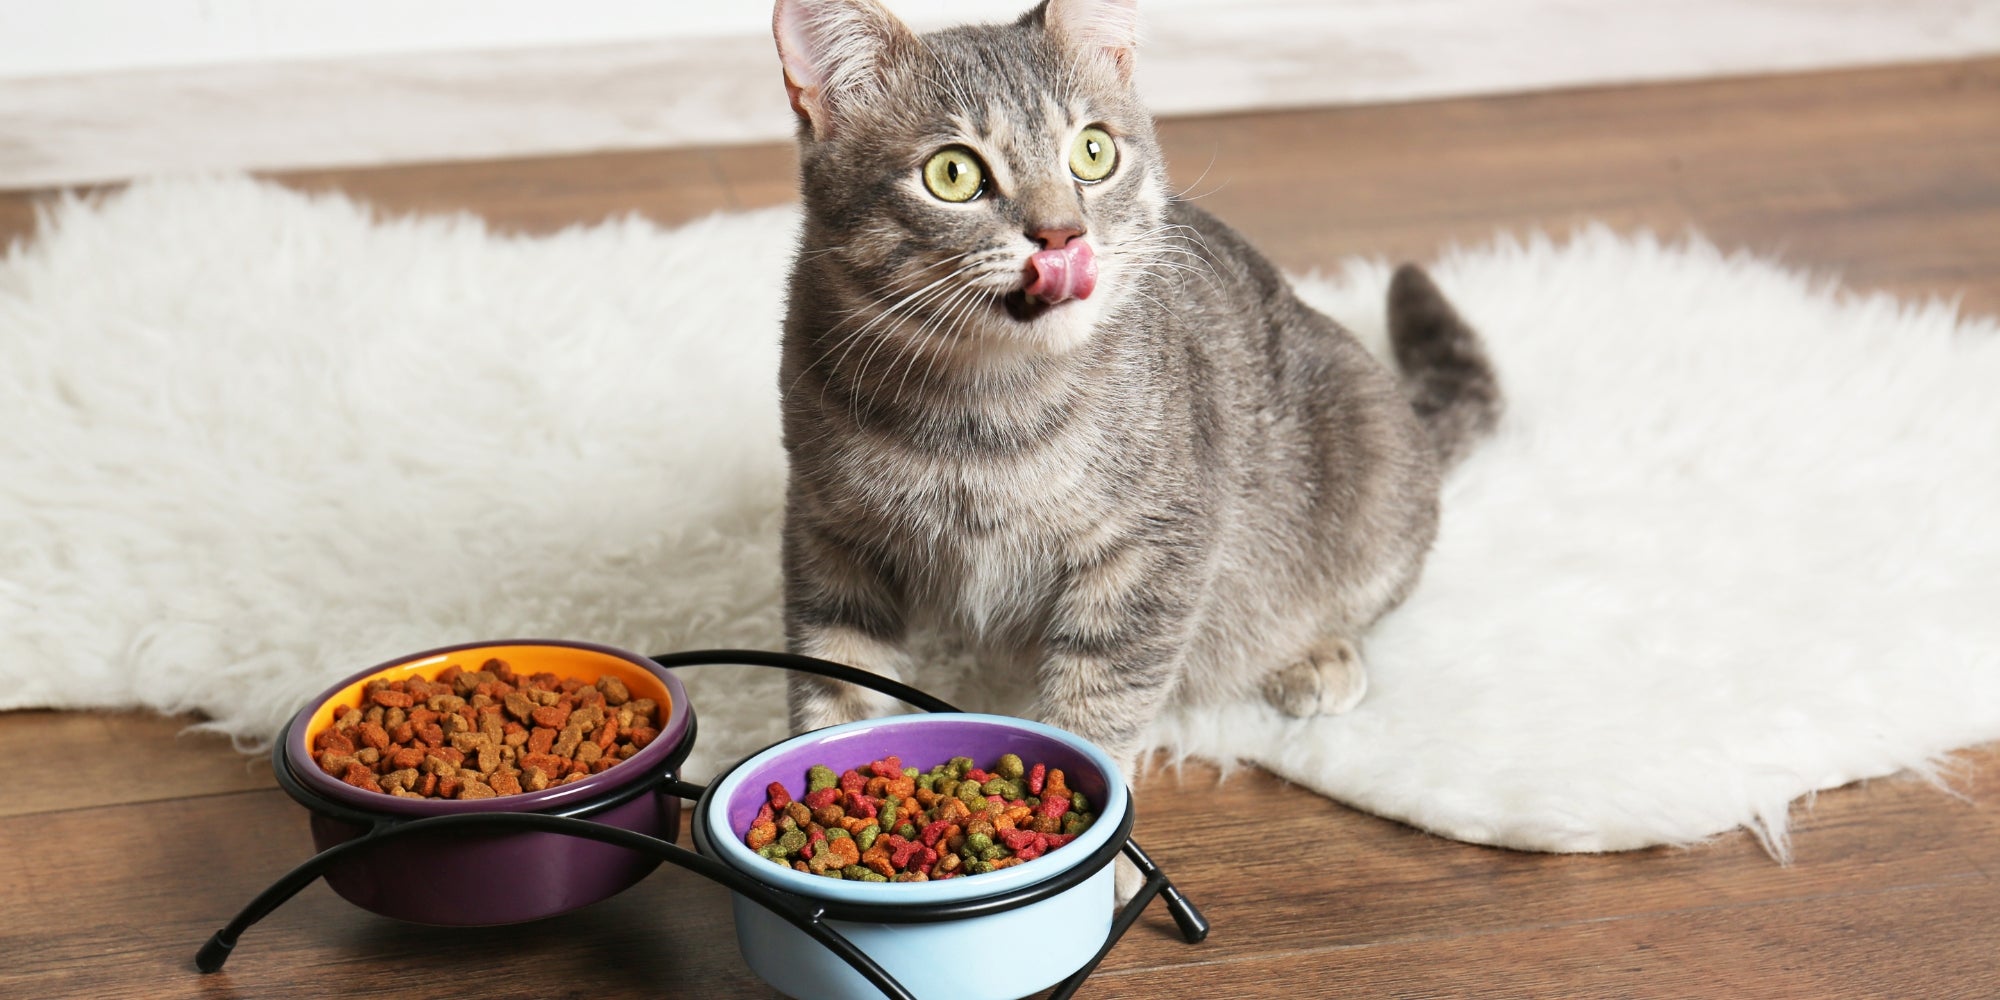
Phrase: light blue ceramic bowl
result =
(1052, 936)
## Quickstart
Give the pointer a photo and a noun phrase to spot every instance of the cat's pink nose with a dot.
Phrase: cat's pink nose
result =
(1068, 272)
(1055, 237)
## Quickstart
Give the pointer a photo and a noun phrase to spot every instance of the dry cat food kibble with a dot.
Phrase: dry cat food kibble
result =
(890, 823)
(476, 734)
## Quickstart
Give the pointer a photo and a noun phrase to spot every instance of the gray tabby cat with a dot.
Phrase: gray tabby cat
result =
(1032, 397)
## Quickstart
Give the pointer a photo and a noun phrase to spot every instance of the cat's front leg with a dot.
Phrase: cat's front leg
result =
(840, 607)
(1113, 653)
(1115, 645)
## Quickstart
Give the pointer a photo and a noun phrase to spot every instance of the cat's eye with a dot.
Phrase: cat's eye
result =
(1093, 156)
(954, 174)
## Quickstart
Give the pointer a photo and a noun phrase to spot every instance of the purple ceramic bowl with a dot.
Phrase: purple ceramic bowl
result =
(472, 878)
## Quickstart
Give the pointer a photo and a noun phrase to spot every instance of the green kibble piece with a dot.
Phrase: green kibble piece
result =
(1078, 802)
(947, 786)
(820, 777)
(978, 867)
(838, 833)
(780, 860)
(908, 831)
(928, 781)
(860, 873)
(911, 772)
(866, 838)
(1076, 823)
(969, 793)
(994, 852)
(831, 873)
(980, 804)
(978, 842)
(961, 765)
(787, 823)
(997, 786)
(792, 841)
(1010, 767)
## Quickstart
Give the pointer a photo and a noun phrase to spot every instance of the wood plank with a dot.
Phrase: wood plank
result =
(114, 758)
(1369, 889)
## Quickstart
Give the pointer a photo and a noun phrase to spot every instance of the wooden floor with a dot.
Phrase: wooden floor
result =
(126, 843)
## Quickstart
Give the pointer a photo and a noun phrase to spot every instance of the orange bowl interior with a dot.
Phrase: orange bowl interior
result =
(563, 661)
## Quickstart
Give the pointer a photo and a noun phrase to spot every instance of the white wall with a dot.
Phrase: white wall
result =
(101, 90)
(54, 37)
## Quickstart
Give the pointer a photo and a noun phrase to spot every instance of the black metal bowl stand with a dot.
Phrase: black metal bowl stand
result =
(809, 916)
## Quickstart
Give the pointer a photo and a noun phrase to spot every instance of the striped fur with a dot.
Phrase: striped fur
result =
(1188, 485)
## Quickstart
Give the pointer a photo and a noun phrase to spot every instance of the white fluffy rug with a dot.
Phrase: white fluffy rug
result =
(1737, 540)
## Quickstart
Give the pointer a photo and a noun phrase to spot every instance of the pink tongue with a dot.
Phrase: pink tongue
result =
(1068, 273)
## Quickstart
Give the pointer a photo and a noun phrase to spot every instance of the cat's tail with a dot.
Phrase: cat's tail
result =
(1446, 374)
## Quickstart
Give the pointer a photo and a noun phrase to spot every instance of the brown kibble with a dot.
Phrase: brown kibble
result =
(388, 698)
(642, 735)
(519, 705)
(573, 778)
(613, 689)
(420, 738)
(361, 777)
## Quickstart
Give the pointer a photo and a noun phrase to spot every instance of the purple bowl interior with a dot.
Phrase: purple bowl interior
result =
(643, 764)
(923, 742)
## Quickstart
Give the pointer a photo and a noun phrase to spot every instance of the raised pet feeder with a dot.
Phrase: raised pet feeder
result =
(597, 836)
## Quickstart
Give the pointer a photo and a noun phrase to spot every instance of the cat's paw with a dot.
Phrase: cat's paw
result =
(1328, 681)
(1128, 881)
(822, 703)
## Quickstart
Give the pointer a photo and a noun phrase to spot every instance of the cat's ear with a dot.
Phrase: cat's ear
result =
(1107, 29)
(833, 51)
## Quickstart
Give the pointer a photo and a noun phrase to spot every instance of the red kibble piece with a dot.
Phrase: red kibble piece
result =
(777, 796)
(852, 782)
(888, 767)
(1036, 776)
(388, 698)
(821, 799)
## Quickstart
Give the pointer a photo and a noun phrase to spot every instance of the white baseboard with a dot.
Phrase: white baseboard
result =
(1259, 54)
